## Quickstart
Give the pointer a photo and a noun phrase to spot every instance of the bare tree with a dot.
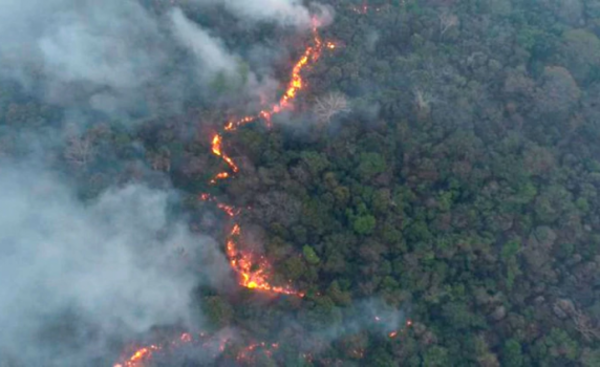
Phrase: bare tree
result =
(79, 151)
(584, 324)
(447, 21)
(423, 101)
(330, 105)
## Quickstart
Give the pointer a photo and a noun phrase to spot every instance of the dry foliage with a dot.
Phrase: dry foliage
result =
(330, 105)
(447, 21)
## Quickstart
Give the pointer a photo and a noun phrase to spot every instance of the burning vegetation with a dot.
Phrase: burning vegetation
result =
(253, 270)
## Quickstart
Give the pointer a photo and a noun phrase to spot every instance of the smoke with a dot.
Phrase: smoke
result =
(61, 48)
(113, 265)
(373, 315)
(209, 52)
(114, 56)
(284, 12)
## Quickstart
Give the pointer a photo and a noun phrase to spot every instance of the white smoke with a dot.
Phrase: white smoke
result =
(209, 51)
(284, 12)
(113, 264)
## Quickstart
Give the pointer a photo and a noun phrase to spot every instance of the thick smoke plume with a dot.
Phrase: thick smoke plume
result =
(113, 265)
(284, 12)
(114, 56)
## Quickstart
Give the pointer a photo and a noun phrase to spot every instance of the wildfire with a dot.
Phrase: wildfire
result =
(244, 354)
(311, 54)
(216, 149)
(140, 356)
(252, 269)
(214, 344)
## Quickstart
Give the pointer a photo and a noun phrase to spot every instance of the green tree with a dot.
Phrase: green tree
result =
(364, 224)
(512, 353)
(371, 164)
(436, 356)
(310, 255)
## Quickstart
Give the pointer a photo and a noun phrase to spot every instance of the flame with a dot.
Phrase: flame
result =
(393, 334)
(227, 209)
(216, 149)
(143, 355)
(219, 176)
(140, 356)
(252, 269)
(310, 55)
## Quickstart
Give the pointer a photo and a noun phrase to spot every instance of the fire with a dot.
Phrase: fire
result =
(216, 149)
(227, 209)
(244, 354)
(211, 343)
(219, 176)
(252, 269)
(140, 356)
(311, 54)
(393, 334)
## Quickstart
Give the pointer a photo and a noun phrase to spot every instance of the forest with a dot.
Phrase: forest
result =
(431, 199)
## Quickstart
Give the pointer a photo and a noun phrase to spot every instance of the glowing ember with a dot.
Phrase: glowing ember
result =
(393, 334)
(244, 354)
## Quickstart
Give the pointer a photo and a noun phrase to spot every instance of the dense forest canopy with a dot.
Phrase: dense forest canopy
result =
(431, 197)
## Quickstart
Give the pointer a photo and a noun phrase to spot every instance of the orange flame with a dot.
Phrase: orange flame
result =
(140, 356)
(296, 83)
(228, 209)
(216, 149)
(219, 176)
(252, 269)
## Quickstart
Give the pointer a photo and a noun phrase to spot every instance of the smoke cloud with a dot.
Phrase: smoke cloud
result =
(209, 52)
(114, 265)
(284, 12)
(114, 56)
